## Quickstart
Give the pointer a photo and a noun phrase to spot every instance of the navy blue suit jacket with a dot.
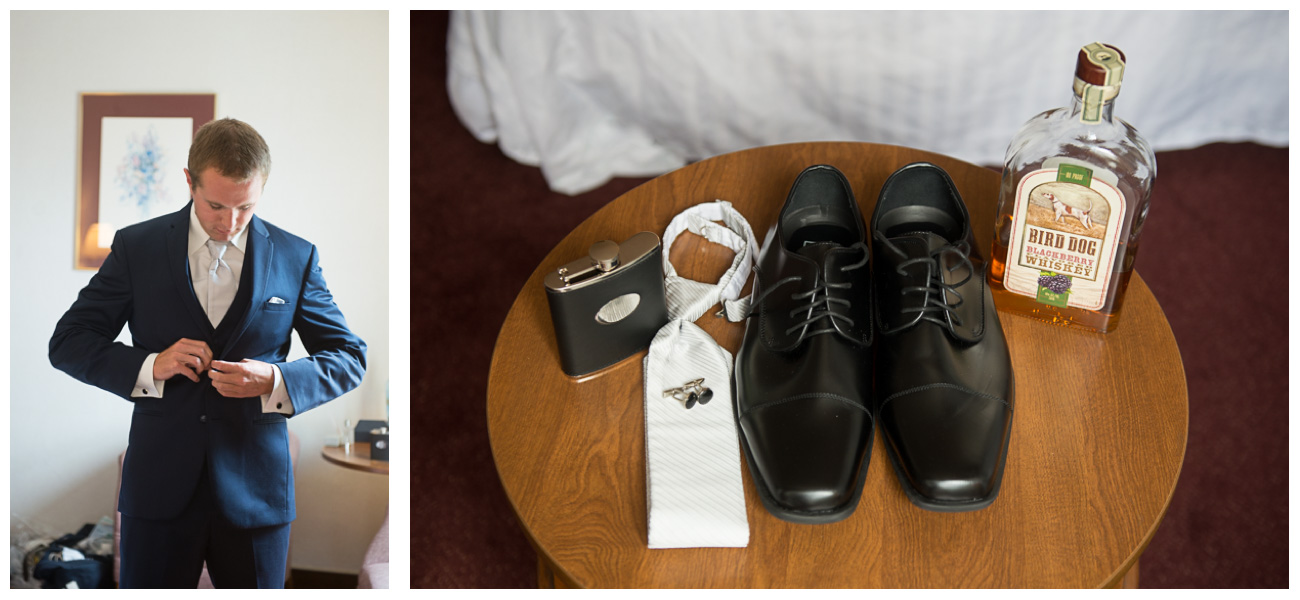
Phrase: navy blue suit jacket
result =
(145, 283)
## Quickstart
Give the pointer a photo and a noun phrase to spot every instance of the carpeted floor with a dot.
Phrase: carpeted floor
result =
(1214, 253)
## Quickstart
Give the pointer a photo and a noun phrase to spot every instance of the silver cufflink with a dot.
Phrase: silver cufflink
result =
(691, 393)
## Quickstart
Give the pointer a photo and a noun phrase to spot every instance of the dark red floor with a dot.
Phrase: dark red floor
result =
(1214, 253)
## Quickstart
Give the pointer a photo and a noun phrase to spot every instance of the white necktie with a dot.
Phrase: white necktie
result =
(221, 283)
(688, 299)
(695, 496)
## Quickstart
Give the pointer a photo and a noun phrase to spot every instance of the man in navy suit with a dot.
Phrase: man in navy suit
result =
(211, 294)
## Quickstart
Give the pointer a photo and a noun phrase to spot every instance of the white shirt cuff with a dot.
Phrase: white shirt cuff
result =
(278, 400)
(145, 385)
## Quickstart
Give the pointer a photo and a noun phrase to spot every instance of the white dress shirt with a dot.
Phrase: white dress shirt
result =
(146, 386)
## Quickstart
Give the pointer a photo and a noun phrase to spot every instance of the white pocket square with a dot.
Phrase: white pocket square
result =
(275, 300)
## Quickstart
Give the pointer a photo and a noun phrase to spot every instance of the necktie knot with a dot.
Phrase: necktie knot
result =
(217, 249)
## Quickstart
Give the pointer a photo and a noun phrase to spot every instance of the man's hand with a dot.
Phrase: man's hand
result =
(186, 357)
(244, 379)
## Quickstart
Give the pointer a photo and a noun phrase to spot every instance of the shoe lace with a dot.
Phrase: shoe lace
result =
(820, 305)
(936, 291)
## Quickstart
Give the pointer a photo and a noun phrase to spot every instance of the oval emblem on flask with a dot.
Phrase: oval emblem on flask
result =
(618, 309)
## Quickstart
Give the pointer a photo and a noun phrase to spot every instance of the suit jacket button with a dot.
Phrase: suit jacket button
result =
(279, 405)
(203, 418)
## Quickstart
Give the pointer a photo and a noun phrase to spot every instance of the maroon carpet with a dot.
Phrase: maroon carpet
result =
(1214, 253)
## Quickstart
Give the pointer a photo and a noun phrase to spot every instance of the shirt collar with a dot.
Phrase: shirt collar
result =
(199, 238)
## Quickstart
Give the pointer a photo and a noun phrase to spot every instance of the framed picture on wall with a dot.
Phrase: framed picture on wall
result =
(134, 148)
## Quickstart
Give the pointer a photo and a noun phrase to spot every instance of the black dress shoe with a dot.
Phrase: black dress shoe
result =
(803, 380)
(943, 379)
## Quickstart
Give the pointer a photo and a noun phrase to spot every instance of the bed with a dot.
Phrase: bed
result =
(591, 95)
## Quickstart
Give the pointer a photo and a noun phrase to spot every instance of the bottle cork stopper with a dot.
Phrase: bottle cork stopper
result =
(1100, 64)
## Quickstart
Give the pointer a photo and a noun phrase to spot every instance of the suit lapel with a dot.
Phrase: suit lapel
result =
(178, 266)
(259, 254)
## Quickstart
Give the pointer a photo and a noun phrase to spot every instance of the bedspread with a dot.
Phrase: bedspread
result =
(592, 95)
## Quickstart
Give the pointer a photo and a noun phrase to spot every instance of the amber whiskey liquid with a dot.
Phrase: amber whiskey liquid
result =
(1076, 187)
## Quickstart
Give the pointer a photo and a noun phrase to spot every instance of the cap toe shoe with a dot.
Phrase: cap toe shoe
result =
(803, 380)
(944, 386)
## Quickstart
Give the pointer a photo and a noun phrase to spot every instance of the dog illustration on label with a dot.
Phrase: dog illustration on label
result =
(1051, 203)
(1062, 209)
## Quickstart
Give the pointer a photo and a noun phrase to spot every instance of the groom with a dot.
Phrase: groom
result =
(211, 293)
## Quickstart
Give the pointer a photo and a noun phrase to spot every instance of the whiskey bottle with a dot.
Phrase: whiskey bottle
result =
(1076, 186)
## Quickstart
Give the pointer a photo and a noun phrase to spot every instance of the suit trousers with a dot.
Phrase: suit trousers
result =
(170, 553)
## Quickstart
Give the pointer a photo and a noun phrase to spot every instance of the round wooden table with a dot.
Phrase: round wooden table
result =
(1097, 446)
(358, 459)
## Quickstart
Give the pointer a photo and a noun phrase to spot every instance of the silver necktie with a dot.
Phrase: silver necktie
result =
(695, 496)
(221, 283)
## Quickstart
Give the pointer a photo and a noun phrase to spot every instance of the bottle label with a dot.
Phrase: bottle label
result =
(1066, 235)
(1093, 101)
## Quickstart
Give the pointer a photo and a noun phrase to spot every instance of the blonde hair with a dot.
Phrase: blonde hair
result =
(233, 148)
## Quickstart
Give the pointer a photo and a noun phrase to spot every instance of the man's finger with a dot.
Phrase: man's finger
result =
(226, 377)
(178, 360)
(194, 348)
(203, 354)
(226, 367)
(185, 371)
(188, 357)
(189, 371)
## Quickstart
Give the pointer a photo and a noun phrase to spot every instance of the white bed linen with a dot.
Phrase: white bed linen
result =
(592, 95)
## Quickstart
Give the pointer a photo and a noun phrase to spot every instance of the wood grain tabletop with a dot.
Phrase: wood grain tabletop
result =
(358, 458)
(1097, 438)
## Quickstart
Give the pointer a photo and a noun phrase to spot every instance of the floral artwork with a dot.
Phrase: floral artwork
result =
(131, 163)
(141, 170)
(138, 175)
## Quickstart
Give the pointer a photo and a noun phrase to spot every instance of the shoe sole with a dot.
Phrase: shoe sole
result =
(951, 506)
(791, 515)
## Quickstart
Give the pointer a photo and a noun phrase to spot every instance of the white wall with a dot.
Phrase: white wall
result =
(315, 85)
